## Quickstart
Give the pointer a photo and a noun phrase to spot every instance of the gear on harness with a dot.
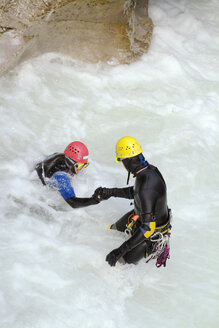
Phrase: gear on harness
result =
(163, 257)
(160, 250)
(160, 239)
(134, 223)
(130, 225)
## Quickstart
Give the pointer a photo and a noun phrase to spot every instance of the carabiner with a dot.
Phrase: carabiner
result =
(155, 235)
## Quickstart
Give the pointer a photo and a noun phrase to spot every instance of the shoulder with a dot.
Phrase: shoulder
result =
(147, 178)
(62, 181)
(61, 176)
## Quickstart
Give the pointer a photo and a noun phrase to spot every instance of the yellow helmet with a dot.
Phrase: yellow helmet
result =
(127, 147)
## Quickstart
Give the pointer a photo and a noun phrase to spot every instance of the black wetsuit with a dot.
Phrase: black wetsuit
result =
(150, 203)
(54, 166)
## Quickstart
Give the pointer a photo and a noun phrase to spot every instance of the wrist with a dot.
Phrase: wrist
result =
(124, 248)
(114, 192)
(95, 200)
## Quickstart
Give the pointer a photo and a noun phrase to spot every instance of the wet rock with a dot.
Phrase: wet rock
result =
(115, 31)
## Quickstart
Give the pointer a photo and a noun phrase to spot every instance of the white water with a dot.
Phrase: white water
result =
(53, 270)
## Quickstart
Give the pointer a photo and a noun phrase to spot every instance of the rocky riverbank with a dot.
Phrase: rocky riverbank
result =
(115, 31)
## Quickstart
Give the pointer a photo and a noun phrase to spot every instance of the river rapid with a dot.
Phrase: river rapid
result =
(53, 272)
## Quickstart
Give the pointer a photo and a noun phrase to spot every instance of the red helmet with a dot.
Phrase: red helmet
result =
(77, 151)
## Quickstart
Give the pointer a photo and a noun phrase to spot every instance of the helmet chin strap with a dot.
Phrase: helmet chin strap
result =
(128, 177)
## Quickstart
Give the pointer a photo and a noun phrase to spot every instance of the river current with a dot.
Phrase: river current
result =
(53, 272)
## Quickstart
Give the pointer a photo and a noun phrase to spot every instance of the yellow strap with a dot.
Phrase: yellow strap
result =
(163, 232)
(161, 227)
(150, 232)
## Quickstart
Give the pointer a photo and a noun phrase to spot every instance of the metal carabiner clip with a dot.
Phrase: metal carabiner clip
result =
(128, 230)
(156, 235)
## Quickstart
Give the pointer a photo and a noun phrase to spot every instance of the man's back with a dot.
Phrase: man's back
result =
(150, 194)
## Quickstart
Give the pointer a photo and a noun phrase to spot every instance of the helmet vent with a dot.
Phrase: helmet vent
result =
(127, 147)
(77, 150)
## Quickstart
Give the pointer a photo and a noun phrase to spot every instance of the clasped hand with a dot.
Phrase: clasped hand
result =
(102, 193)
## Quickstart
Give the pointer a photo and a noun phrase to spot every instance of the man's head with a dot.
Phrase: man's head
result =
(127, 147)
(76, 156)
(129, 152)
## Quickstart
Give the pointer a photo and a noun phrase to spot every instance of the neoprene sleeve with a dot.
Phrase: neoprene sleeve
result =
(62, 182)
(81, 202)
(127, 192)
(135, 240)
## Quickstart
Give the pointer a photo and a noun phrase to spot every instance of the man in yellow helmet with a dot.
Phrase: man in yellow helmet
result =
(149, 222)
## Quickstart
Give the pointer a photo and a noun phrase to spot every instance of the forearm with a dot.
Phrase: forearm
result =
(141, 234)
(136, 239)
(123, 192)
(76, 202)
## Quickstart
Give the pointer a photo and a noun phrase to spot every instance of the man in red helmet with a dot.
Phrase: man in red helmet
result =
(56, 170)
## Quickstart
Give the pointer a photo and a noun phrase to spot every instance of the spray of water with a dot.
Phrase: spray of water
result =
(52, 260)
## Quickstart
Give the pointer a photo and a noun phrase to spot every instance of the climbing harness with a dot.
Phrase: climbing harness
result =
(132, 224)
(159, 239)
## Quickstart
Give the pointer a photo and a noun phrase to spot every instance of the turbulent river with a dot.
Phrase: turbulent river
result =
(53, 272)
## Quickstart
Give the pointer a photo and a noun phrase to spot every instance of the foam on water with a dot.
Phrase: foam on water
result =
(53, 269)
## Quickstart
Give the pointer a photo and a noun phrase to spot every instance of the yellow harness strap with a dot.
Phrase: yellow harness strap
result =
(150, 232)
(160, 229)
(154, 229)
